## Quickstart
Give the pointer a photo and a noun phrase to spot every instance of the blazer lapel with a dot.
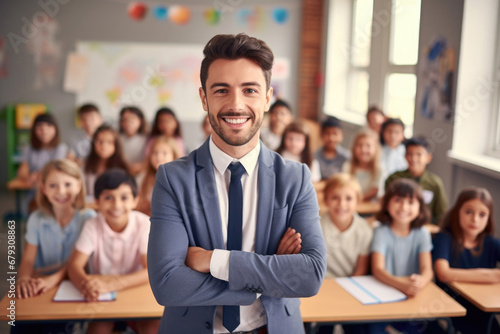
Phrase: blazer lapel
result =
(267, 185)
(207, 191)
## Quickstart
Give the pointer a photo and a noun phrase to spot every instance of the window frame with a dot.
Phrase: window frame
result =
(379, 68)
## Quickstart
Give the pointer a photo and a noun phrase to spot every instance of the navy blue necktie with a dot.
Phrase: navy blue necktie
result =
(231, 314)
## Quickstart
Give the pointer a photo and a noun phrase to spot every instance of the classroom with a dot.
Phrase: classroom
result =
(429, 69)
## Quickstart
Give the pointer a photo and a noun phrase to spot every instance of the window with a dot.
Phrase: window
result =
(476, 130)
(372, 52)
(494, 146)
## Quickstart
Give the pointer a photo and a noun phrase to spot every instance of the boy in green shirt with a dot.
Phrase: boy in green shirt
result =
(419, 156)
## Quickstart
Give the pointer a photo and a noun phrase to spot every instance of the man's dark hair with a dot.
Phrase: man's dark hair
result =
(279, 103)
(330, 122)
(418, 141)
(232, 47)
(112, 179)
(86, 108)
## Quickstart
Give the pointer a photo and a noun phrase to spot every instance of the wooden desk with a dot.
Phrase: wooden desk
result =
(18, 184)
(368, 208)
(485, 296)
(334, 304)
(133, 303)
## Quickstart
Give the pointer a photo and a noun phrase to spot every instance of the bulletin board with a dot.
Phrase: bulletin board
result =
(146, 75)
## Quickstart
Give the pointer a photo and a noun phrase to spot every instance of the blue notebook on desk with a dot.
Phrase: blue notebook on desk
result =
(368, 290)
(67, 292)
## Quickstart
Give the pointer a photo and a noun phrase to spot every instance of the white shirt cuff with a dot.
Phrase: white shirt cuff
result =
(219, 264)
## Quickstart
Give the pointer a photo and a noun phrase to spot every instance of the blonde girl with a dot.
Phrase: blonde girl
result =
(365, 163)
(52, 230)
(162, 150)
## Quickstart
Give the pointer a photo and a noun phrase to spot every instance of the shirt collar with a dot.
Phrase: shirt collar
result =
(221, 160)
(124, 235)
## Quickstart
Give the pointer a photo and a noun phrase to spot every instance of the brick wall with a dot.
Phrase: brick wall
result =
(310, 58)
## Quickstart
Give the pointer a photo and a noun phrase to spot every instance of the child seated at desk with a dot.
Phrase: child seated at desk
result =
(295, 146)
(113, 246)
(106, 153)
(347, 235)
(418, 155)
(133, 137)
(467, 251)
(52, 230)
(280, 116)
(365, 163)
(392, 156)
(332, 155)
(45, 146)
(90, 119)
(402, 245)
(162, 151)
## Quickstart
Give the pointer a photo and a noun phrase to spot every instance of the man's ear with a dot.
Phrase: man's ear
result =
(203, 98)
(269, 95)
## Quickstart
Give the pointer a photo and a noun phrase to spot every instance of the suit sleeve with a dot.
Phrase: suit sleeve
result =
(286, 276)
(172, 282)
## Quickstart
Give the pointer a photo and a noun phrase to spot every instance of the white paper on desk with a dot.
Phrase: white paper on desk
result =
(369, 290)
(67, 292)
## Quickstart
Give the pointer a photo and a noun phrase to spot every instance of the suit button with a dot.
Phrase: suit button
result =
(207, 325)
(259, 290)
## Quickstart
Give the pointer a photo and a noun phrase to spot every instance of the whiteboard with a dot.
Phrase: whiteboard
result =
(145, 75)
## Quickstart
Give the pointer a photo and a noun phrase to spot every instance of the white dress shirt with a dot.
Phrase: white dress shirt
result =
(251, 316)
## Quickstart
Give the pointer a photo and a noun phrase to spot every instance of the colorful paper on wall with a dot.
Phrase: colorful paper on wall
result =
(26, 113)
(76, 74)
(146, 74)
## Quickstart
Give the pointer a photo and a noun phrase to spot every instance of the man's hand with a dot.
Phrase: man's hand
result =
(198, 259)
(290, 242)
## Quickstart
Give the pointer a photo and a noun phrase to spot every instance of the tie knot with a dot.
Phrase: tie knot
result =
(237, 170)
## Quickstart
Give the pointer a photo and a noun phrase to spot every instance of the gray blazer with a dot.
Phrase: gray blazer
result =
(185, 212)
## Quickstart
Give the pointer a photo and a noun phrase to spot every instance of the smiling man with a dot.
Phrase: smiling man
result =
(235, 237)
